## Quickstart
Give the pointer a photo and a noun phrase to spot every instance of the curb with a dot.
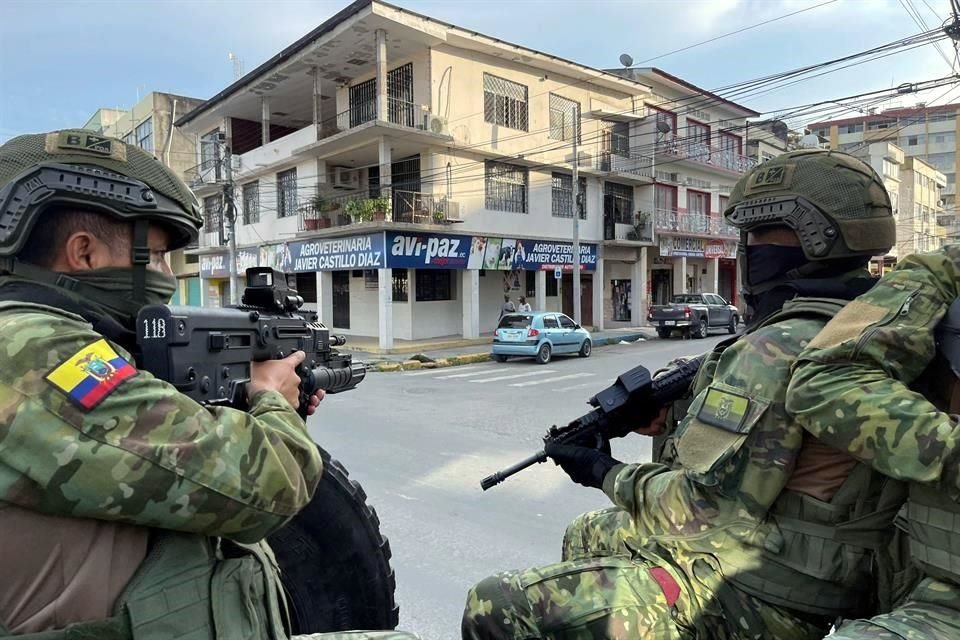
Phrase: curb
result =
(473, 358)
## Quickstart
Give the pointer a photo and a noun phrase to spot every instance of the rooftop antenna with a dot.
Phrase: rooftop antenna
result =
(626, 59)
(237, 65)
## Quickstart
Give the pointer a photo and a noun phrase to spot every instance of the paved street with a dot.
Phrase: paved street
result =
(420, 442)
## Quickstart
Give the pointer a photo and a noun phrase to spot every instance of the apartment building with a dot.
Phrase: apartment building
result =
(921, 223)
(149, 125)
(925, 132)
(406, 174)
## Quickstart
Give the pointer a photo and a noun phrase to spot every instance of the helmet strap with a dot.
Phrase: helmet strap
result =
(140, 258)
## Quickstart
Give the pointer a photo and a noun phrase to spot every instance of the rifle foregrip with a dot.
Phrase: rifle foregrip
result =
(334, 380)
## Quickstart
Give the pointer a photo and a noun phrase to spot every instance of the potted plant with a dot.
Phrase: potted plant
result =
(360, 210)
(439, 213)
(380, 206)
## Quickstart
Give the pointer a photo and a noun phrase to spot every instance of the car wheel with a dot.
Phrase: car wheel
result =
(664, 333)
(543, 355)
(702, 330)
(500, 358)
(733, 324)
(586, 349)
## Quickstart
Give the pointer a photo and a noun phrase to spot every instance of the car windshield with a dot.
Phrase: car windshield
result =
(515, 322)
(687, 299)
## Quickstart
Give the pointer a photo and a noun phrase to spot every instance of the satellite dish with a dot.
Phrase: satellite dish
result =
(663, 127)
(810, 141)
(626, 60)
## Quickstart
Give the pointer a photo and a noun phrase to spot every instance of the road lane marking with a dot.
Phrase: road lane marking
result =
(486, 371)
(516, 375)
(427, 372)
(554, 379)
(576, 386)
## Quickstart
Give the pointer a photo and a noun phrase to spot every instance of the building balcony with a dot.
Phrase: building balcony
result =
(629, 166)
(694, 224)
(396, 206)
(639, 230)
(705, 154)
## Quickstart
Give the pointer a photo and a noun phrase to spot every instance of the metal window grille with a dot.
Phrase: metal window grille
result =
(505, 187)
(618, 202)
(563, 196)
(210, 153)
(504, 102)
(213, 214)
(401, 285)
(363, 102)
(434, 285)
(251, 203)
(144, 135)
(287, 193)
(564, 118)
(400, 108)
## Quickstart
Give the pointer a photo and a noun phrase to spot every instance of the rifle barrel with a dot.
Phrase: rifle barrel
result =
(498, 477)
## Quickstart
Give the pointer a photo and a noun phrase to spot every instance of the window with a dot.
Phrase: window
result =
(698, 133)
(822, 133)
(286, 193)
(913, 141)
(550, 322)
(401, 285)
(505, 187)
(667, 117)
(504, 102)
(251, 203)
(882, 124)
(564, 117)
(130, 138)
(434, 285)
(144, 134)
(617, 139)
(852, 128)
(698, 203)
(566, 322)
(941, 116)
(210, 153)
(665, 198)
(563, 196)
(618, 202)
(945, 138)
(731, 143)
(306, 285)
(891, 169)
(553, 288)
(212, 209)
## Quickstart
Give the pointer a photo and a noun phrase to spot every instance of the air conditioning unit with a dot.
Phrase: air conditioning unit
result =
(436, 124)
(346, 178)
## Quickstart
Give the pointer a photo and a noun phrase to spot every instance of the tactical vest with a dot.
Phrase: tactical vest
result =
(933, 524)
(807, 555)
(192, 588)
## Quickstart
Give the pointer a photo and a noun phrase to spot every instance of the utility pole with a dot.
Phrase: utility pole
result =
(576, 216)
(230, 217)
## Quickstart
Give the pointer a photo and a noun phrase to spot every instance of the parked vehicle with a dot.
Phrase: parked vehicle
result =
(540, 335)
(694, 314)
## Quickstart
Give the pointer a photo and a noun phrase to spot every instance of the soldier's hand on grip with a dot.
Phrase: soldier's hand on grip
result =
(585, 466)
(277, 375)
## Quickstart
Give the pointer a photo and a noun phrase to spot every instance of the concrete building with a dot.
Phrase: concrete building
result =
(406, 174)
(149, 125)
(928, 133)
(887, 160)
(920, 225)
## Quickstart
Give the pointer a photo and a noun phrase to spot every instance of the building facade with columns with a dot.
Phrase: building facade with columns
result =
(407, 174)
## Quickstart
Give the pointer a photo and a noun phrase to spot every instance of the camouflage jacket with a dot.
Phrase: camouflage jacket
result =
(85, 434)
(851, 385)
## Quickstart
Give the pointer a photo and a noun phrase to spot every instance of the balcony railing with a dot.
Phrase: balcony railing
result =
(640, 230)
(399, 112)
(635, 164)
(694, 224)
(706, 154)
(392, 206)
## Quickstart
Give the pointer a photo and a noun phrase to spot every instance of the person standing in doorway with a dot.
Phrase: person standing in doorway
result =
(507, 306)
(524, 306)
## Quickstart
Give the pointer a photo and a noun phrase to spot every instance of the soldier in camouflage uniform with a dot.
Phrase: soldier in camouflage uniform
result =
(128, 510)
(749, 528)
(856, 388)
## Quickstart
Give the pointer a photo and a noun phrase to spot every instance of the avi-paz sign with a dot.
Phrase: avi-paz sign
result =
(436, 251)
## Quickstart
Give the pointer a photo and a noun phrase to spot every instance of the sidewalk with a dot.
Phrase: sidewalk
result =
(454, 350)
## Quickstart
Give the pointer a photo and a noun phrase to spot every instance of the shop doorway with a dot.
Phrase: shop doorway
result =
(341, 299)
(621, 291)
(586, 297)
(661, 282)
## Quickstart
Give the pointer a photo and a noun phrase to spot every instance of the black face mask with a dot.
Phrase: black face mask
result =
(768, 262)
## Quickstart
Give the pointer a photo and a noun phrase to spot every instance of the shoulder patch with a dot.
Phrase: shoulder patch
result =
(724, 409)
(91, 374)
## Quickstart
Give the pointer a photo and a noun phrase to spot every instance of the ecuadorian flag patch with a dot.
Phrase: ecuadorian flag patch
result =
(91, 374)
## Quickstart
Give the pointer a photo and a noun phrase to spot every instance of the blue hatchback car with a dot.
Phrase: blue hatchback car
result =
(540, 335)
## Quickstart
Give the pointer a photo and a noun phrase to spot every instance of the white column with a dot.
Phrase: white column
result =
(385, 304)
(680, 275)
(325, 297)
(713, 275)
(540, 287)
(386, 178)
(204, 302)
(638, 290)
(381, 43)
(316, 99)
(264, 119)
(599, 287)
(470, 280)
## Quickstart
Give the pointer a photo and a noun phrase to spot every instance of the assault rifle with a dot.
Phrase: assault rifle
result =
(206, 353)
(634, 399)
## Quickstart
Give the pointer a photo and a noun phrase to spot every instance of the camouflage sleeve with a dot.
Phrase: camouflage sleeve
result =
(850, 386)
(143, 453)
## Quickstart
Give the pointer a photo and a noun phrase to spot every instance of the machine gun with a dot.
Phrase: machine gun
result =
(633, 399)
(206, 353)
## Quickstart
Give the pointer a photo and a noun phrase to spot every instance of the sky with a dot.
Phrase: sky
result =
(106, 53)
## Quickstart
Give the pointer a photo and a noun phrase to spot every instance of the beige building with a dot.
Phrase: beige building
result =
(406, 174)
(149, 125)
(919, 225)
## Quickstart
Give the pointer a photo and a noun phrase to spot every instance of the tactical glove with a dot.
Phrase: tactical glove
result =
(585, 466)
